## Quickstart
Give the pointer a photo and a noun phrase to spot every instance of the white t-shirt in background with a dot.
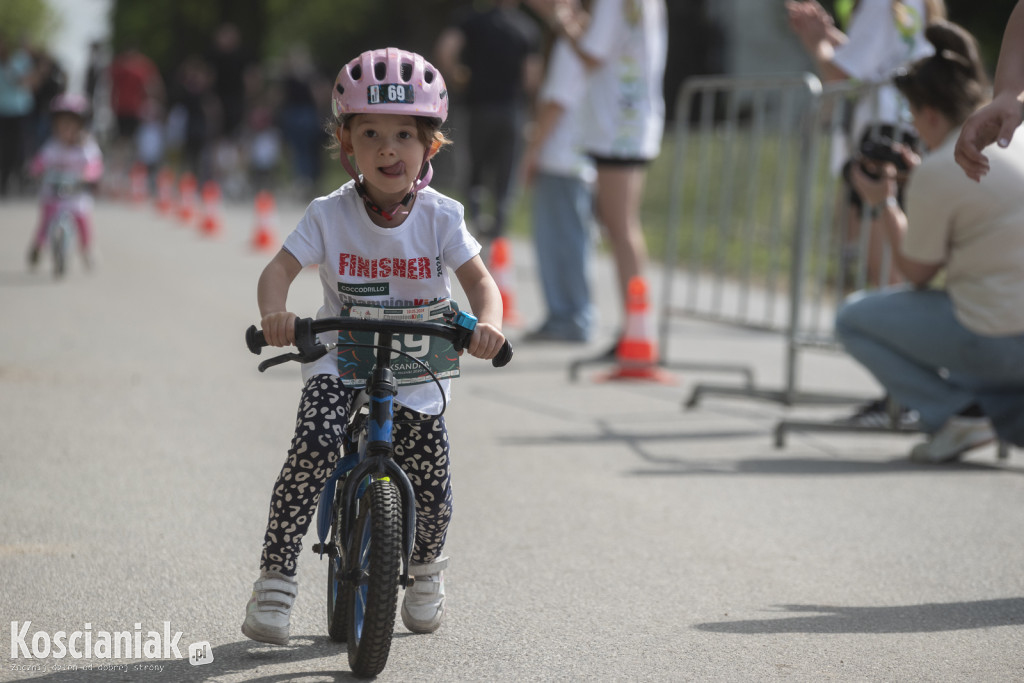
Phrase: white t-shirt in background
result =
(625, 113)
(56, 161)
(877, 47)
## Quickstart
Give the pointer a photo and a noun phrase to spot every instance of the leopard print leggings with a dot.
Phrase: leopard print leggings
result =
(421, 450)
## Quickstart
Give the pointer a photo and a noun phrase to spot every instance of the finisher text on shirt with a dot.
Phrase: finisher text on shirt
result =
(356, 266)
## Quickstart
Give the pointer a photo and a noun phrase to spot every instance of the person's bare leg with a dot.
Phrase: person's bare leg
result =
(619, 193)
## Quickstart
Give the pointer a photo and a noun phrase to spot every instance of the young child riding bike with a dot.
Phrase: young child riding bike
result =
(70, 158)
(388, 109)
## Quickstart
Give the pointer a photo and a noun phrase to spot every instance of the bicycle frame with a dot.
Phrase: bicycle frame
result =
(373, 458)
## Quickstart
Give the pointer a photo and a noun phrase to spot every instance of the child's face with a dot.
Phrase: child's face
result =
(67, 128)
(388, 152)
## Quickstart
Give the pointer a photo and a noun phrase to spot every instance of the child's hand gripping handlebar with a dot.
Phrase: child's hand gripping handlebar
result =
(309, 349)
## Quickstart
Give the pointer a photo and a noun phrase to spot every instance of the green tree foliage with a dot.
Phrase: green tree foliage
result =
(986, 20)
(168, 31)
(334, 30)
(29, 20)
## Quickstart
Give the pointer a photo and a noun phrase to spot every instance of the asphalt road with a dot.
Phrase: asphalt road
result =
(601, 532)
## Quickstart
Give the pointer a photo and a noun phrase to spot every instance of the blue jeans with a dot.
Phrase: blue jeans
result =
(913, 344)
(564, 240)
(302, 132)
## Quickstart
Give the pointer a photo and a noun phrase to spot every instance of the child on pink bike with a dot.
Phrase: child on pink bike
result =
(70, 163)
(382, 239)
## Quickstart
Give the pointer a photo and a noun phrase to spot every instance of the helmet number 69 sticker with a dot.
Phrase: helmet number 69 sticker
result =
(389, 93)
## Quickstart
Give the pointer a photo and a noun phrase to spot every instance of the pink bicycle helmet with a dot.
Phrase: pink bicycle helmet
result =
(70, 103)
(390, 81)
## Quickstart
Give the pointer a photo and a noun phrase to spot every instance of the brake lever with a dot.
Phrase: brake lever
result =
(306, 344)
(277, 360)
(316, 353)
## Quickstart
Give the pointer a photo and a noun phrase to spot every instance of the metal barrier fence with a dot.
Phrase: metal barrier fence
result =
(759, 233)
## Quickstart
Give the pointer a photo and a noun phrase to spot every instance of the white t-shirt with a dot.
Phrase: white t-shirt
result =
(976, 229)
(877, 46)
(625, 116)
(566, 85)
(359, 261)
(81, 163)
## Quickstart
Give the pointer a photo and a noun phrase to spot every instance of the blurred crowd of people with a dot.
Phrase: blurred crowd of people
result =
(222, 115)
(30, 78)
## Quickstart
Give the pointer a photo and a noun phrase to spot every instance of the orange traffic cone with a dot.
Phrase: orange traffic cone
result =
(139, 180)
(211, 222)
(504, 277)
(187, 188)
(637, 353)
(165, 190)
(263, 238)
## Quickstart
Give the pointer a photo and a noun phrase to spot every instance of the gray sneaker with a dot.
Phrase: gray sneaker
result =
(956, 437)
(423, 605)
(267, 614)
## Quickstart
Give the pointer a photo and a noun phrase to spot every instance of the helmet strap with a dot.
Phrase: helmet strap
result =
(422, 180)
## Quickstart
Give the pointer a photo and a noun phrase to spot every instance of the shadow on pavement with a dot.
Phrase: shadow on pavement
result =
(243, 658)
(24, 278)
(809, 466)
(672, 465)
(927, 618)
(633, 439)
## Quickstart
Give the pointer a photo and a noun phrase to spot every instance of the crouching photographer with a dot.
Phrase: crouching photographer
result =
(955, 355)
(881, 144)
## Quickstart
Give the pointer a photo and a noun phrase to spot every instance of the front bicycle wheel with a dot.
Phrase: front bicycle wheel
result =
(59, 238)
(375, 561)
(337, 585)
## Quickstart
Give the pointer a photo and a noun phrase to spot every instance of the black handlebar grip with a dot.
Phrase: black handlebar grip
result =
(254, 339)
(504, 356)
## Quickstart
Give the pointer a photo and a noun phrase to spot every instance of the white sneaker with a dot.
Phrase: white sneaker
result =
(956, 437)
(423, 605)
(266, 615)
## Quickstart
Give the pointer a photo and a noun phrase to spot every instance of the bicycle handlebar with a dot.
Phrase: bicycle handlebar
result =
(309, 349)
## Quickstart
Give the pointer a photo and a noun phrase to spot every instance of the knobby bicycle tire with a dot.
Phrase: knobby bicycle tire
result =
(337, 587)
(375, 560)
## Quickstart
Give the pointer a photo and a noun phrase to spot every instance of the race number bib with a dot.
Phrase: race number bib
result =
(355, 363)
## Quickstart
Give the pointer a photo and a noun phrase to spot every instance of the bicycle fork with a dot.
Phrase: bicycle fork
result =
(378, 463)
